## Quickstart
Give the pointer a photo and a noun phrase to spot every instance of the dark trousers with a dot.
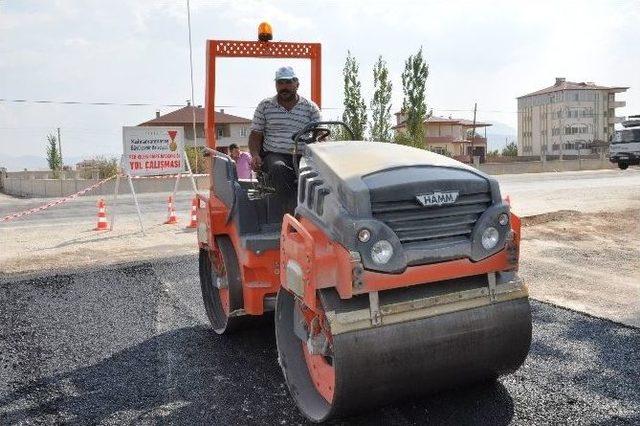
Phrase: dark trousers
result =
(282, 176)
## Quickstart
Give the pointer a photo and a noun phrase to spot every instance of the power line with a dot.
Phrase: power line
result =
(146, 104)
(129, 104)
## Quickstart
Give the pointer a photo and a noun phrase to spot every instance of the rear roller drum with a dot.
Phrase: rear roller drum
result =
(336, 375)
(222, 290)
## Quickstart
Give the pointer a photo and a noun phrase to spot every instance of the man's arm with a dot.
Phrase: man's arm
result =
(255, 145)
(256, 137)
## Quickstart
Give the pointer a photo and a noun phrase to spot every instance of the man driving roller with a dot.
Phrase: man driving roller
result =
(275, 121)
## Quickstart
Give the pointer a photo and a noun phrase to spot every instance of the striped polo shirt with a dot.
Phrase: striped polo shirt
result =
(277, 125)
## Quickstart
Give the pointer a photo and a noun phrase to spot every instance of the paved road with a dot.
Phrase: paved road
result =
(131, 344)
(586, 191)
(152, 205)
(531, 193)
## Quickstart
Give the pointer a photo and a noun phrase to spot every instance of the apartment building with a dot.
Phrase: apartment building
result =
(451, 136)
(229, 128)
(567, 118)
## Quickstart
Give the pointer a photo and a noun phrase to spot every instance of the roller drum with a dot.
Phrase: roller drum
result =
(380, 364)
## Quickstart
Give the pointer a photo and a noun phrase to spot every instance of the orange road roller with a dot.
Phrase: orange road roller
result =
(396, 276)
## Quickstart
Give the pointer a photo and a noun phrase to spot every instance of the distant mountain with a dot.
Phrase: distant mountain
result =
(31, 162)
(499, 134)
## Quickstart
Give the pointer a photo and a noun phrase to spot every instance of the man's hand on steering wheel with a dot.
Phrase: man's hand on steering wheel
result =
(321, 134)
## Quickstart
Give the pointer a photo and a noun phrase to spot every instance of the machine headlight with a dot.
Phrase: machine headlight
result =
(364, 235)
(382, 251)
(490, 238)
(503, 219)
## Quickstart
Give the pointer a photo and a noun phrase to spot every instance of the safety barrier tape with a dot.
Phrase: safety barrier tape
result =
(165, 176)
(56, 202)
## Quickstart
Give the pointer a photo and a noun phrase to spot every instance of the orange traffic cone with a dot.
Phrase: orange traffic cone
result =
(172, 218)
(194, 218)
(102, 216)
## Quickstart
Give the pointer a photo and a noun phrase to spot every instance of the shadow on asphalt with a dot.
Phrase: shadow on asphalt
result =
(193, 376)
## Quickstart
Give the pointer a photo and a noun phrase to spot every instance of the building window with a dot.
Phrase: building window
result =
(438, 149)
(219, 132)
(243, 131)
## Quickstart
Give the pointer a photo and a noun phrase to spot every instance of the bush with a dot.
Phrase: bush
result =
(102, 166)
(404, 138)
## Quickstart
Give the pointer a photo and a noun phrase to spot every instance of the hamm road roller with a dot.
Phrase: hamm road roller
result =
(396, 276)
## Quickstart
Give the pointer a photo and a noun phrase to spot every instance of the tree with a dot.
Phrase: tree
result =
(381, 103)
(511, 150)
(53, 155)
(414, 106)
(355, 110)
(195, 156)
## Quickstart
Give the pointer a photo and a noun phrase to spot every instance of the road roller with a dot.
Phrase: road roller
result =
(395, 276)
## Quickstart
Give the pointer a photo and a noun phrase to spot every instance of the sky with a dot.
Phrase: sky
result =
(136, 51)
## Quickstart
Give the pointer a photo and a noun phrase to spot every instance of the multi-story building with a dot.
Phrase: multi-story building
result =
(229, 128)
(567, 118)
(451, 136)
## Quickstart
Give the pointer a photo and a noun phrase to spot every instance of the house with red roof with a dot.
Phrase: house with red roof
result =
(229, 128)
(452, 136)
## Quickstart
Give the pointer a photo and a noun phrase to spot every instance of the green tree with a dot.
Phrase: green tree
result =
(53, 155)
(195, 155)
(355, 110)
(381, 103)
(511, 150)
(414, 105)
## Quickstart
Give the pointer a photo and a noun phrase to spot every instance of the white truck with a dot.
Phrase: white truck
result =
(625, 144)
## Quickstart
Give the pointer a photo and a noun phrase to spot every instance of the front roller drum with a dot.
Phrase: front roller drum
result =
(372, 367)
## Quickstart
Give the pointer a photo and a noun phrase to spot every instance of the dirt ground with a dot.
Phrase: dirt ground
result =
(586, 262)
(41, 248)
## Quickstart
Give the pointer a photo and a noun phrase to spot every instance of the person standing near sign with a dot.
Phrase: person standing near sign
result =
(275, 120)
(243, 161)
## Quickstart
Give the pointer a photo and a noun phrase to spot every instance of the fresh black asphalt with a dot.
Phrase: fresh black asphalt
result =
(131, 344)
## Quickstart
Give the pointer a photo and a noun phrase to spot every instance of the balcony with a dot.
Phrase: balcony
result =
(439, 139)
(617, 104)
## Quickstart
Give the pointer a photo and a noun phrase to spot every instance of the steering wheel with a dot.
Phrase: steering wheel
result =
(317, 133)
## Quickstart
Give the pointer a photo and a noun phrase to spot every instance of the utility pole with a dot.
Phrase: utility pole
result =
(473, 132)
(60, 149)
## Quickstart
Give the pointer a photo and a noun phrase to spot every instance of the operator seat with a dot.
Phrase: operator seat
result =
(256, 215)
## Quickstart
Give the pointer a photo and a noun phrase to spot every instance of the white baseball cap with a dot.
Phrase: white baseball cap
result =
(285, 73)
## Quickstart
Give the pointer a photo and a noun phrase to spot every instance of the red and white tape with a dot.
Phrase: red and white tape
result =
(56, 202)
(165, 176)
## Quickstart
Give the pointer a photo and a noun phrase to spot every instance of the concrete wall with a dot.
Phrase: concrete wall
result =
(547, 166)
(62, 187)
(44, 174)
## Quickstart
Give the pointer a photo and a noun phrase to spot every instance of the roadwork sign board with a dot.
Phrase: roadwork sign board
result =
(151, 150)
